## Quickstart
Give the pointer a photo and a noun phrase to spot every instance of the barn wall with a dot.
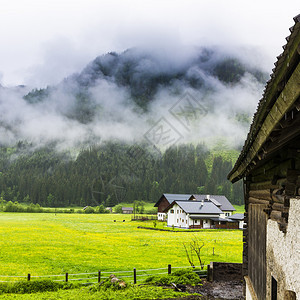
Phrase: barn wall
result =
(269, 226)
(283, 254)
(164, 203)
(257, 225)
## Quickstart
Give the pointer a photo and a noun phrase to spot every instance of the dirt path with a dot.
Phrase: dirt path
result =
(215, 290)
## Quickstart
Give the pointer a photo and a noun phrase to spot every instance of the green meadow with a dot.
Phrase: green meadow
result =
(45, 244)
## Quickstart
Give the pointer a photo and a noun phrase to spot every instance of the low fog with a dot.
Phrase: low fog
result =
(139, 95)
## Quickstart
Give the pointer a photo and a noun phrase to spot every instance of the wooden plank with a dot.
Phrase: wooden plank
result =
(257, 249)
(258, 201)
(261, 194)
(263, 185)
(277, 198)
(279, 207)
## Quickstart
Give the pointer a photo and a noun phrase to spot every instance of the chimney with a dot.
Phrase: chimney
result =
(208, 197)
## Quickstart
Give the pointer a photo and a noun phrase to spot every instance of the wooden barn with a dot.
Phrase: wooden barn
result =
(269, 166)
(165, 200)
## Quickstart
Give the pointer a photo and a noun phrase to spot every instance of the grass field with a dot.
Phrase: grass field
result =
(49, 244)
(43, 244)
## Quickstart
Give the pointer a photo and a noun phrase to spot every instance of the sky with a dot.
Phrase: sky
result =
(43, 41)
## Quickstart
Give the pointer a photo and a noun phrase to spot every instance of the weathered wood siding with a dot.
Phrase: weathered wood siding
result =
(164, 203)
(257, 225)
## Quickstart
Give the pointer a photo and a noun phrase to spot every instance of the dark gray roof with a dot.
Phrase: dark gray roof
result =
(127, 208)
(198, 207)
(237, 217)
(221, 200)
(222, 220)
(174, 197)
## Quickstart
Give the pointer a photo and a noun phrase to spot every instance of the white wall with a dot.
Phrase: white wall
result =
(241, 224)
(161, 216)
(225, 214)
(178, 218)
(283, 253)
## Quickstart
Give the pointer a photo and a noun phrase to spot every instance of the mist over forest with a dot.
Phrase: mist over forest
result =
(79, 136)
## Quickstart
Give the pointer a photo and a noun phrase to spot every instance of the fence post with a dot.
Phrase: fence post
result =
(134, 275)
(67, 275)
(169, 269)
(99, 276)
(28, 277)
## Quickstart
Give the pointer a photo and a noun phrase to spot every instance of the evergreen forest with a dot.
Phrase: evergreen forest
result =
(111, 173)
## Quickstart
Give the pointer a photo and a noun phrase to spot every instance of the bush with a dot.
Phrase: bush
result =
(182, 276)
(28, 287)
(109, 284)
(151, 211)
(89, 210)
(118, 209)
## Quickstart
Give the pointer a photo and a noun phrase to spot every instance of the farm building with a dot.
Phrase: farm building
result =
(165, 200)
(192, 214)
(201, 211)
(127, 210)
(269, 165)
(239, 218)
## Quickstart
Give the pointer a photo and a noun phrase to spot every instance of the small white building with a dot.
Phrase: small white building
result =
(239, 218)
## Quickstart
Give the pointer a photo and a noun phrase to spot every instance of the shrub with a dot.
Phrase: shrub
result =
(118, 209)
(109, 284)
(182, 276)
(28, 287)
(89, 210)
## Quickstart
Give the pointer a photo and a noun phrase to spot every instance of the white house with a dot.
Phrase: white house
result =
(192, 214)
(219, 200)
(203, 211)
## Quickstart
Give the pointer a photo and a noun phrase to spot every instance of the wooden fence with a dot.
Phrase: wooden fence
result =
(89, 278)
(143, 218)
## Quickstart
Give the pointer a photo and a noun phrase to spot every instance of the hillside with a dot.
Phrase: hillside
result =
(129, 126)
(109, 174)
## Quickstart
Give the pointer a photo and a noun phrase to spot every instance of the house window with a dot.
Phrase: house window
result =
(177, 211)
(177, 220)
(172, 211)
(195, 221)
(274, 289)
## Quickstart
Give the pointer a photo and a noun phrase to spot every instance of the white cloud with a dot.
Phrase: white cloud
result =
(48, 39)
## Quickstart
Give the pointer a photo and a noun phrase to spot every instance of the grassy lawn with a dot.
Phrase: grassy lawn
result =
(44, 244)
(240, 209)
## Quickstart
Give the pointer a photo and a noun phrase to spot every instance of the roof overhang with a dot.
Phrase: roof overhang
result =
(280, 97)
(199, 217)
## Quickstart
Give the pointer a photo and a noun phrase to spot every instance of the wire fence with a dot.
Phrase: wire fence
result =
(133, 276)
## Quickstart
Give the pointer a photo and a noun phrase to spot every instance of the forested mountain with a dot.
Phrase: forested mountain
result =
(142, 74)
(48, 136)
(112, 173)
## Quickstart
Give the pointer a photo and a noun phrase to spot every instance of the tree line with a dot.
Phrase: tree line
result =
(111, 173)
